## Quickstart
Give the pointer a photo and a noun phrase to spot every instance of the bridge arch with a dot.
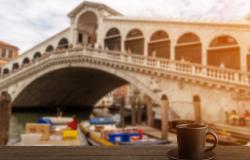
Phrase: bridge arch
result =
(50, 48)
(189, 48)
(134, 42)
(26, 61)
(113, 39)
(87, 25)
(15, 66)
(63, 43)
(159, 45)
(224, 51)
(37, 55)
(42, 90)
(6, 71)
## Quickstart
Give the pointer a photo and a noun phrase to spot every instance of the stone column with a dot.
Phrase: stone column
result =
(150, 115)
(172, 48)
(204, 54)
(164, 117)
(146, 40)
(243, 59)
(197, 109)
(123, 46)
(5, 114)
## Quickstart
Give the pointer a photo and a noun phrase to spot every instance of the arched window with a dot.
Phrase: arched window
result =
(159, 45)
(50, 48)
(87, 25)
(15, 66)
(134, 42)
(113, 40)
(224, 51)
(26, 61)
(6, 71)
(188, 48)
(37, 55)
(63, 44)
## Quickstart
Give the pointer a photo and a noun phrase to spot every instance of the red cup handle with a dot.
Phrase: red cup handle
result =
(215, 141)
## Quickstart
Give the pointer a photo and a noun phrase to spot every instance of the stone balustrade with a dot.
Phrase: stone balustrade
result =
(210, 72)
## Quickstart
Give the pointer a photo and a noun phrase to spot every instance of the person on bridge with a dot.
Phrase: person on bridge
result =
(154, 53)
(234, 117)
(247, 114)
(247, 117)
(129, 52)
(222, 65)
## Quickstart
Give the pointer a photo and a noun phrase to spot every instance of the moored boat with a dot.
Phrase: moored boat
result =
(103, 132)
(52, 131)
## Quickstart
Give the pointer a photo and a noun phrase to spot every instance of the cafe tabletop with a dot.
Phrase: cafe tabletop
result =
(112, 153)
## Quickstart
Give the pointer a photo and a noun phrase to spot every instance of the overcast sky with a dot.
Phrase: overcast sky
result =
(27, 22)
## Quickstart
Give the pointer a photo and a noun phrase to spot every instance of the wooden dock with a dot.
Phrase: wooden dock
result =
(157, 133)
(112, 153)
(239, 132)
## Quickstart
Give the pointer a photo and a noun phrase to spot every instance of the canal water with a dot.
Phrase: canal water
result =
(19, 120)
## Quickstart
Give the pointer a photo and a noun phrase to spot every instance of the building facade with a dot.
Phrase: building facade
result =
(8, 52)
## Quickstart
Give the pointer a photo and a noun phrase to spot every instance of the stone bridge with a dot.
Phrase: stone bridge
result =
(94, 56)
(81, 76)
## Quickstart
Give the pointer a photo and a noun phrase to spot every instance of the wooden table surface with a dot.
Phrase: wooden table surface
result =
(115, 153)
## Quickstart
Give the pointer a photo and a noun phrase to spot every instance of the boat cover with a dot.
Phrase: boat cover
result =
(101, 121)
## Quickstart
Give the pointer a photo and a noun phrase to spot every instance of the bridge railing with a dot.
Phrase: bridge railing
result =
(187, 68)
(192, 69)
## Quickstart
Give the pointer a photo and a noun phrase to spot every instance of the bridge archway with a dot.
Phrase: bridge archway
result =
(26, 61)
(189, 48)
(6, 71)
(37, 55)
(15, 66)
(159, 45)
(134, 42)
(81, 85)
(63, 44)
(113, 39)
(224, 51)
(50, 48)
(87, 25)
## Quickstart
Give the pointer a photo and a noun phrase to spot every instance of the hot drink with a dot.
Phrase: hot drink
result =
(192, 141)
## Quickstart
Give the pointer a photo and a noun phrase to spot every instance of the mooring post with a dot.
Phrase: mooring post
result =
(164, 117)
(150, 115)
(138, 105)
(133, 116)
(122, 112)
(5, 114)
(197, 109)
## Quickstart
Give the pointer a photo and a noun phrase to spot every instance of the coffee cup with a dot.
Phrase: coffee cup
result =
(191, 140)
